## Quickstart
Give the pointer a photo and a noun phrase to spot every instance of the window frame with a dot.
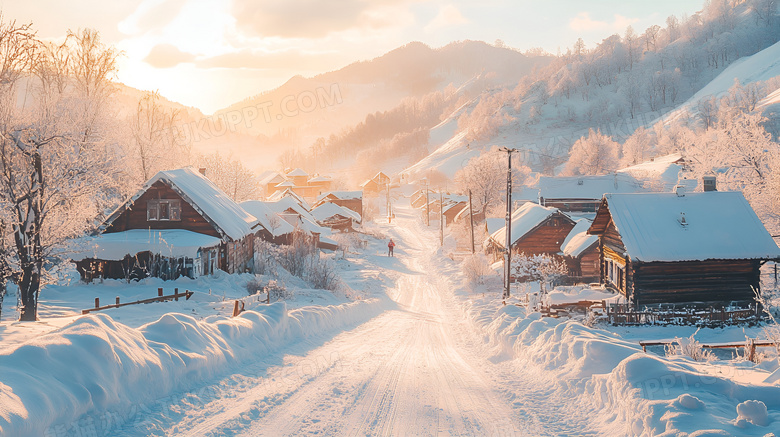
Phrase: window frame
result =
(154, 210)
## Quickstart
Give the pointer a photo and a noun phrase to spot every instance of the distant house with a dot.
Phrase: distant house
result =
(582, 194)
(178, 224)
(299, 177)
(658, 248)
(535, 230)
(275, 229)
(269, 183)
(289, 192)
(581, 252)
(320, 184)
(376, 184)
(452, 209)
(348, 199)
(301, 219)
(336, 217)
(662, 173)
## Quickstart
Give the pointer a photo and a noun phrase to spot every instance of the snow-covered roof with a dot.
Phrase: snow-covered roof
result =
(172, 243)
(297, 172)
(272, 177)
(285, 183)
(289, 193)
(578, 239)
(321, 179)
(265, 216)
(493, 224)
(587, 187)
(526, 218)
(288, 203)
(228, 218)
(328, 210)
(668, 169)
(341, 195)
(717, 225)
(456, 204)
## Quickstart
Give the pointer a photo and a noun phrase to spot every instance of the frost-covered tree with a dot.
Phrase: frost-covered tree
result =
(542, 268)
(485, 176)
(595, 154)
(157, 143)
(57, 164)
(637, 148)
(231, 176)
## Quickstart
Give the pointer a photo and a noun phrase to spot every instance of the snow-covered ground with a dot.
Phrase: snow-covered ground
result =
(419, 354)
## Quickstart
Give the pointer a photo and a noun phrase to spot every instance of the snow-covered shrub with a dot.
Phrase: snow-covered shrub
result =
(475, 268)
(542, 268)
(294, 256)
(278, 291)
(265, 258)
(350, 240)
(321, 274)
(255, 285)
(689, 347)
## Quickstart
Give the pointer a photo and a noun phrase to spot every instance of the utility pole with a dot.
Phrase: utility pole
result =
(441, 217)
(389, 213)
(471, 219)
(427, 206)
(508, 228)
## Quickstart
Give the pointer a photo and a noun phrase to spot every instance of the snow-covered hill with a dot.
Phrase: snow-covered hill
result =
(615, 87)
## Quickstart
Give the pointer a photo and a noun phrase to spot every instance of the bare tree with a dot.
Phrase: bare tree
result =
(55, 161)
(231, 176)
(485, 176)
(158, 144)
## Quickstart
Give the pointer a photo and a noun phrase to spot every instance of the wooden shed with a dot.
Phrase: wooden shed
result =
(677, 248)
(150, 230)
(535, 230)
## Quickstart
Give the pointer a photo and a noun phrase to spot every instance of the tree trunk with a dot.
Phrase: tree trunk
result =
(29, 285)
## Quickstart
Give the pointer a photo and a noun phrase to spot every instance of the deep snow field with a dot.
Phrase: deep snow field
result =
(405, 348)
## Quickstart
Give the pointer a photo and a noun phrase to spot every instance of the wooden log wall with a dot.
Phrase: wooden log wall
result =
(135, 216)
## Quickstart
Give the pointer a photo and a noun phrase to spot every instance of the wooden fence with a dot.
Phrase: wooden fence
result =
(160, 298)
(622, 314)
(749, 345)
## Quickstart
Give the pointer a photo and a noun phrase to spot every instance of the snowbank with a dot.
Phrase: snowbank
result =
(627, 391)
(95, 364)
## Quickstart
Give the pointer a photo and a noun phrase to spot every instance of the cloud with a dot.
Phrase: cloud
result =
(151, 14)
(449, 15)
(167, 56)
(622, 22)
(301, 18)
(584, 23)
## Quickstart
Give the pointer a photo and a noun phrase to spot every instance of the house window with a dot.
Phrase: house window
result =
(615, 273)
(163, 210)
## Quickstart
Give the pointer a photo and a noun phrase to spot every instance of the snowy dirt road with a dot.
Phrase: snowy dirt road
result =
(417, 369)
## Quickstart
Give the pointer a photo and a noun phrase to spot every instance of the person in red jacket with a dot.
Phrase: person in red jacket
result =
(390, 247)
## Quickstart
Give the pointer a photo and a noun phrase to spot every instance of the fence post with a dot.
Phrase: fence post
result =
(235, 308)
(176, 294)
(97, 302)
(159, 292)
(117, 301)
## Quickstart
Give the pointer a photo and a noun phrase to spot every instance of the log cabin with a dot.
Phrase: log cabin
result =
(178, 224)
(336, 217)
(348, 199)
(535, 230)
(678, 248)
(582, 194)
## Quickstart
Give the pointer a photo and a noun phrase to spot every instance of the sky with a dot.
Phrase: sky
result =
(212, 53)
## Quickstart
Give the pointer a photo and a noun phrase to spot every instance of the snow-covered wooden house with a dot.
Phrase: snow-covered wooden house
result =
(348, 199)
(178, 224)
(582, 194)
(376, 184)
(535, 230)
(336, 217)
(658, 248)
